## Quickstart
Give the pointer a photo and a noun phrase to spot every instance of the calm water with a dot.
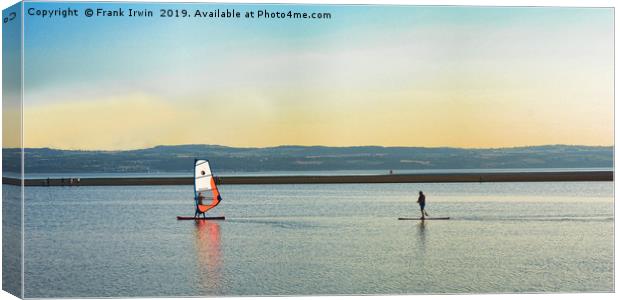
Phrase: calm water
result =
(319, 239)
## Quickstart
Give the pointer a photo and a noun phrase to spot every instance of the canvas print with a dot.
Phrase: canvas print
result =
(223, 149)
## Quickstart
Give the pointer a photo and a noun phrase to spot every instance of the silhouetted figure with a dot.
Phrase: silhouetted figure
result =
(422, 202)
(200, 197)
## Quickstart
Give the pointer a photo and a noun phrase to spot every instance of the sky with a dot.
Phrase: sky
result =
(371, 75)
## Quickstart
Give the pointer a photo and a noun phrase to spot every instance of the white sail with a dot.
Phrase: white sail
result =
(202, 176)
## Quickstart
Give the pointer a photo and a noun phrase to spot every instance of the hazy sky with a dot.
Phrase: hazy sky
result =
(371, 75)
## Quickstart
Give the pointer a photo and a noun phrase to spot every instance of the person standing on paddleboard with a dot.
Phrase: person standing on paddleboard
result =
(422, 202)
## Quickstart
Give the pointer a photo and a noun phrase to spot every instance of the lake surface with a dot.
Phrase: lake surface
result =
(319, 239)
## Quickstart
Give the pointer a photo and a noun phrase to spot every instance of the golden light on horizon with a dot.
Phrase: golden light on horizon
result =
(251, 119)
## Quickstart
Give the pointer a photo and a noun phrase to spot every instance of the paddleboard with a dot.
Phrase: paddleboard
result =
(420, 219)
(201, 218)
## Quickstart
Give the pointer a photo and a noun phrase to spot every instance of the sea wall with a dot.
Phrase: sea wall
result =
(340, 179)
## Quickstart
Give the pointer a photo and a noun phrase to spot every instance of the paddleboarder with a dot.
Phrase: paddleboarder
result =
(422, 202)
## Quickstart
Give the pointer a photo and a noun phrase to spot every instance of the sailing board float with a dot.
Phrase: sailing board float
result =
(420, 219)
(204, 189)
(201, 218)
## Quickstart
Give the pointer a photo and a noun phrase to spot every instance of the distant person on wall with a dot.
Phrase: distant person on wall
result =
(422, 202)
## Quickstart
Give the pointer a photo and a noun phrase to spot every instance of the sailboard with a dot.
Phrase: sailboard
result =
(201, 218)
(420, 219)
(206, 193)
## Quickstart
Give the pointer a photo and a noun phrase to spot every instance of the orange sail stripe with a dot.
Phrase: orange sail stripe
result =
(216, 193)
(214, 202)
(205, 208)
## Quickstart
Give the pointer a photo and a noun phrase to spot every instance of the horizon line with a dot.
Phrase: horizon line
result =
(311, 146)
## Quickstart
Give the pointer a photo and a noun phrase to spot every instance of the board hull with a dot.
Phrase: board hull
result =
(425, 219)
(201, 218)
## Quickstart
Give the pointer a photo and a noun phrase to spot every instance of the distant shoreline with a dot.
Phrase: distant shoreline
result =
(323, 159)
(335, 179)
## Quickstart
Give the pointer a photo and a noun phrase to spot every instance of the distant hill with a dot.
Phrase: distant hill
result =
(306, 158)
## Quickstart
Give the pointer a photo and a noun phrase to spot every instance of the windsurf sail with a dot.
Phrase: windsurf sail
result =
(206, 193)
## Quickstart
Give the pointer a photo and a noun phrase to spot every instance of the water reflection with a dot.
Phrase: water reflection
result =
(209, 255)
(421, 226)
(417, 247)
